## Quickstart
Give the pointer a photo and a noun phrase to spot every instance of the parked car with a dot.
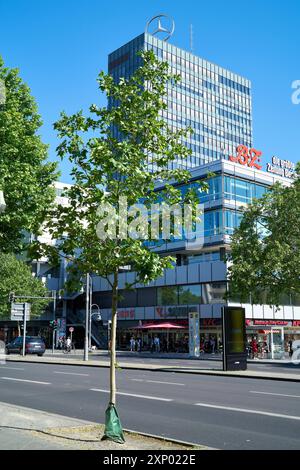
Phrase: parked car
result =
(33, 345)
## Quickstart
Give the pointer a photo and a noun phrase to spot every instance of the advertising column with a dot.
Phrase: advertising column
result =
(234, 339)
(194, 334)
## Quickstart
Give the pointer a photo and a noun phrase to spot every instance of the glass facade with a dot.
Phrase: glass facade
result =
(215, 102)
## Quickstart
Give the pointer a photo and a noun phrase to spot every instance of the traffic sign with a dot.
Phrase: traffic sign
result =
(18, 310)
(71, 329)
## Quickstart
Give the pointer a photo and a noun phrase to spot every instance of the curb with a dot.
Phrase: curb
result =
(168, 439)
(220, 373)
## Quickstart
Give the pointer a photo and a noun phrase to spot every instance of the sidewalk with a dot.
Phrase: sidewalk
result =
(196, 368)
(29, 429)
(147, 354)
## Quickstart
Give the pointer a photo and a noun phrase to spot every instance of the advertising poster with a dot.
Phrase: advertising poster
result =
(194, 334)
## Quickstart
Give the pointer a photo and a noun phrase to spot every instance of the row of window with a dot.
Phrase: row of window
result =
(181, 63)
(212, 70)
(235, 85)
(228, 187)
(195, 294)
(208, 293)
(204, 257)
(188, 294)
(245, 102)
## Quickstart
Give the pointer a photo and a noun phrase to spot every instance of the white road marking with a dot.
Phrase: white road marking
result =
(275, 394)
(23, 380)
(70, 373)
(244, 410)
(157, 382)
(131, 395)
(11, 368)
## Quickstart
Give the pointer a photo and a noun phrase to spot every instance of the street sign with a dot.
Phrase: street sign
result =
(18, 309)
(71, 329)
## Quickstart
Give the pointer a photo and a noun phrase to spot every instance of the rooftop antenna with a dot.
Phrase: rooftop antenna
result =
(191, 38)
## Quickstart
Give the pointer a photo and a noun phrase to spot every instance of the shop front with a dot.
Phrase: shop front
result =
(211, 335)
(271, 339)
(172, 337)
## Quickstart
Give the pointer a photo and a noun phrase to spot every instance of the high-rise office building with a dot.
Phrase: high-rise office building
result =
(215, 102)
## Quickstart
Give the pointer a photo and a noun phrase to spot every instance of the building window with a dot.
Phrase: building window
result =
(214, 292)
(167, 295)
(189, 295)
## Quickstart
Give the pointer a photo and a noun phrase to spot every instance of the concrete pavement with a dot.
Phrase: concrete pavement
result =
(23, 428)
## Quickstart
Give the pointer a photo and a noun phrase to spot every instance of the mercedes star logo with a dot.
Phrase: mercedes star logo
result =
(167, 30)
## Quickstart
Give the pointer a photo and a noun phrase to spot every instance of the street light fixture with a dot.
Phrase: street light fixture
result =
(91, 315)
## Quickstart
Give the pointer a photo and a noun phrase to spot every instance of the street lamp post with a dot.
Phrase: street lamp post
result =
(87, 312)
(91, 315)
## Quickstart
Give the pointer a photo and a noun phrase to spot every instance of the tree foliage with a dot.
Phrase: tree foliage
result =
(26, 178)
(265, 249)
(16, 276)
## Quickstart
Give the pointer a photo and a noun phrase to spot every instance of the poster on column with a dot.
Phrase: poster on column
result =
(61, 328)
(194, 334)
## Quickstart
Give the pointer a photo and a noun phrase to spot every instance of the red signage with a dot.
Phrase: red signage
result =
(246, 156)
(271, 322)
(125, 314)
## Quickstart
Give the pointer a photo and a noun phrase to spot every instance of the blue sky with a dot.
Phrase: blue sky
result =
(60, 46)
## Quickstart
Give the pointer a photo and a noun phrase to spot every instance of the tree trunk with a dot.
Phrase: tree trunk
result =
(113, 339)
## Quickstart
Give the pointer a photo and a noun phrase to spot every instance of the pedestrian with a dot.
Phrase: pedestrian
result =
(139, 345)
(254, 347)
(157, 343)
(132, 344)
(212, 344)
(68, 344)
(290, 348)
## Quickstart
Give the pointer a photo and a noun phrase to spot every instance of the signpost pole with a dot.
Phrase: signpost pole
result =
(53, 339)
(54, 312)
(87, 311)
(24, 328)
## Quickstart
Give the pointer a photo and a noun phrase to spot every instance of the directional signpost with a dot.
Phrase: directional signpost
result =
(18, 310)
(21, 312)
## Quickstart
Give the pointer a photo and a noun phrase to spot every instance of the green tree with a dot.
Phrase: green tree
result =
(16, 276)
(265, 249)
(107, 167)
(26, 178)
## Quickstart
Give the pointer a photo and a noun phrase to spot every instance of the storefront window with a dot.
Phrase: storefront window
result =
(167, 295)
(190, 295)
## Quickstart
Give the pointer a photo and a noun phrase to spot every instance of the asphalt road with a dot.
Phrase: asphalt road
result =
(220, 412)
